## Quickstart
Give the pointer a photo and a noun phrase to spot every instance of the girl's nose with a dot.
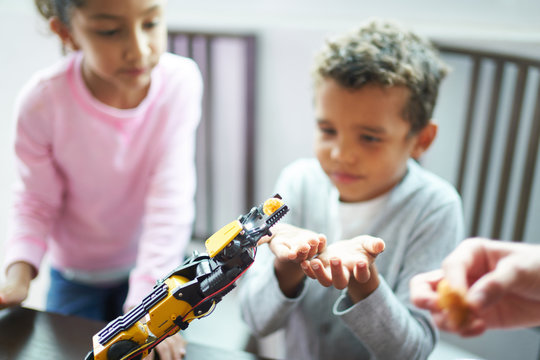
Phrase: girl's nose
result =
(137, 46)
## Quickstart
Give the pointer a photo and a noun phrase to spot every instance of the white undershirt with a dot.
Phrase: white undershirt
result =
(355, 218)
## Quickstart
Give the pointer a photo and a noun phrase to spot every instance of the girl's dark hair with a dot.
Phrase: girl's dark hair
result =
(59, 8)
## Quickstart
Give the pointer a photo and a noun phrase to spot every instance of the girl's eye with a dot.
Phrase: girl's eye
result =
(111, 32)
(150, 24)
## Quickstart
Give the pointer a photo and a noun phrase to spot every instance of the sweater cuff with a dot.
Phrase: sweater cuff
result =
(29, 250)
(345, 308)
(139, 288)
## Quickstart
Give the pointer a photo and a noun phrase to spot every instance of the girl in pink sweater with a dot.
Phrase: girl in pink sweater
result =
(105, 152)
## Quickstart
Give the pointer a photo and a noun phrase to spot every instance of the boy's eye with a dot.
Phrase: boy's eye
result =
(369, 139)
(327, 131)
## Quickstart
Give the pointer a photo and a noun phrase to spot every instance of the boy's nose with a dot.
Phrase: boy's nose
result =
(343, 153)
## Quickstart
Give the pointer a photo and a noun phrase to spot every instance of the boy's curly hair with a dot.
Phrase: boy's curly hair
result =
(382, 52)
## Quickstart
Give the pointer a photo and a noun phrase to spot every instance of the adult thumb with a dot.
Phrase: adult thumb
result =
(491, 287)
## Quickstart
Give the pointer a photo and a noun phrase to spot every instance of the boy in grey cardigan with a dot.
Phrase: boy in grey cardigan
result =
(333, 290)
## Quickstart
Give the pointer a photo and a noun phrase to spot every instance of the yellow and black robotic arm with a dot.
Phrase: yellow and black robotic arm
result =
(190, 291)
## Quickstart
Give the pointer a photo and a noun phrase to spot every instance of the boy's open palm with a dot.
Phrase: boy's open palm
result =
(293, 244)
(340, 260)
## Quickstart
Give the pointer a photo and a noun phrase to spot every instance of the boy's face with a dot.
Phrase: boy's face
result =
(362, 140)
(122, 41)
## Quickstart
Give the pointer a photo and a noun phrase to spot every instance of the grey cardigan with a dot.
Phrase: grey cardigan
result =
(421, 222)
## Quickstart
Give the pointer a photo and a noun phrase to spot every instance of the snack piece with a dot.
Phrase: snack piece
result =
(453, 301)
(271, 205)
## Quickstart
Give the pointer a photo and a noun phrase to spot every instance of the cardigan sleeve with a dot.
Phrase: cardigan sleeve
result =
(386, 322)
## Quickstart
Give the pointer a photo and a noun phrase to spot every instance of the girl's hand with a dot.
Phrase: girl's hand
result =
(172, 348)
(15, 290)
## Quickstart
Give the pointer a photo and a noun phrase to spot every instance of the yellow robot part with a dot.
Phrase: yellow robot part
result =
(136, 334)
(271, 205)
(161, 317)
(159, 321)
(221, 238)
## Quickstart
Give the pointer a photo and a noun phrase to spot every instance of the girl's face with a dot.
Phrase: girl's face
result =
(122, 41)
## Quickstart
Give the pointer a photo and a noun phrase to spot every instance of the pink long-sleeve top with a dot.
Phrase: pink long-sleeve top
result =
(106, 191)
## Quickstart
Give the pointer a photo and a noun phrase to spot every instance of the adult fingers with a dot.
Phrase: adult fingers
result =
(494, 285)
(423, 292)
(474, 328)
(460, 263)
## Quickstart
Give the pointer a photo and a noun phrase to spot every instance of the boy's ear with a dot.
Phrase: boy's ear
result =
(63, 32)
(424, 139)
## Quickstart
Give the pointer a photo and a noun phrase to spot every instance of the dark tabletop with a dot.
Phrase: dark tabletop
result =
(27, 334)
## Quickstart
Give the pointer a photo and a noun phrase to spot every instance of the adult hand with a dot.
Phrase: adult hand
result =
(501, 281)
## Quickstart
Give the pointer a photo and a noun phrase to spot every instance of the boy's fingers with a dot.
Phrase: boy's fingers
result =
(313, 249)
(300, 253)
(322, 243)
(321, 274)
(340, 275)
(361, 272)
(306, 267)
(373, 245)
